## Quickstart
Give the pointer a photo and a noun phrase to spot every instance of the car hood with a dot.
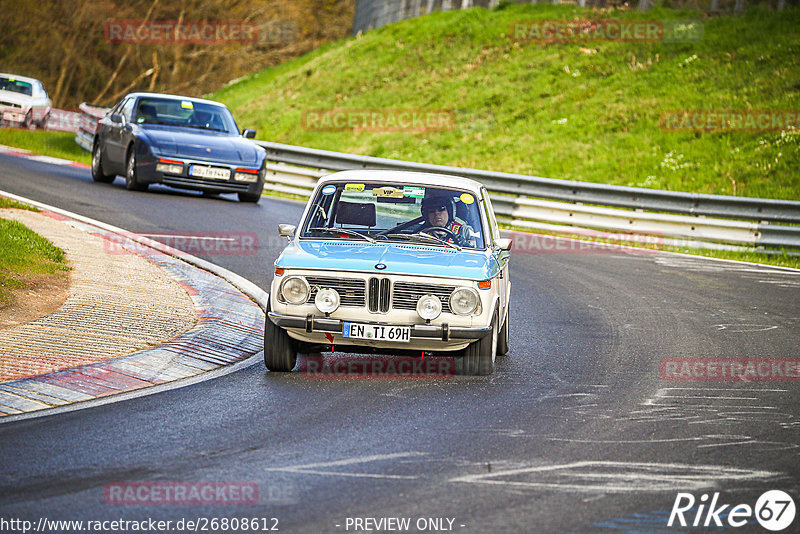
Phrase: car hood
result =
(399, 258)
(16, 98)
(191, 144)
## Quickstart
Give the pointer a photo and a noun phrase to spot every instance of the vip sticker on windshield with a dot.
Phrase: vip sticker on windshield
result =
(185, 104)
(413, 192)
(354, 187)
(466, 198)
(329, 190)
(387, 192)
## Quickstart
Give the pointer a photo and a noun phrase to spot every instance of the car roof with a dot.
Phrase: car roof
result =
(405, 177)
(20, 78)
(175, 97)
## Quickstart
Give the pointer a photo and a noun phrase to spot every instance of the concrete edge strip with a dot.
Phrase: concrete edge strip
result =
(180, 362)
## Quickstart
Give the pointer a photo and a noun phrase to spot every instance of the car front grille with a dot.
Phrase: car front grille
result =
(10, 105)
(379, 294)
(406, 295)
(351, 290)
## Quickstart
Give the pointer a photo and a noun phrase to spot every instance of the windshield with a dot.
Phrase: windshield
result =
(395, 212)
(186, 113)
(16, 86)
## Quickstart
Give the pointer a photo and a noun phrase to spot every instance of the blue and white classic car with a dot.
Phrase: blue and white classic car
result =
(392, 262)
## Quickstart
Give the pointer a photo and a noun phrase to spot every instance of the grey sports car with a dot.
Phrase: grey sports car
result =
(182, 142)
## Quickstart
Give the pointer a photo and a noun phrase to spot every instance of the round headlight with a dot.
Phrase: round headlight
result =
(327, 300)
(429, 307)
(464, 301)
(295, 290)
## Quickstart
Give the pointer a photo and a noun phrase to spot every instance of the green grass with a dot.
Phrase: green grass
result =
(552, 110)
(24, 255)
(8, 203)
(55, 144)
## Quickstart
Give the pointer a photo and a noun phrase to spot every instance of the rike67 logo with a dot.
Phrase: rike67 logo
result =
(774, 510)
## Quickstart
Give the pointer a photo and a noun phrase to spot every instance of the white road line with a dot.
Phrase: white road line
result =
(310, 469)
(621, 476)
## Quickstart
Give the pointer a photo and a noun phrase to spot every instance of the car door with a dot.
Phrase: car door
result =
(502, 257)
(116, 137)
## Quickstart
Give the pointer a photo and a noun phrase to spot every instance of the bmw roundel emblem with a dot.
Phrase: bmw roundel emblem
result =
(380, 266)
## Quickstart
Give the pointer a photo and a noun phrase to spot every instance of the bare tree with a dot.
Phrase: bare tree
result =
(78, 62)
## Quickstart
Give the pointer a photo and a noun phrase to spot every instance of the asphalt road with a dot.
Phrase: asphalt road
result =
(575, 432)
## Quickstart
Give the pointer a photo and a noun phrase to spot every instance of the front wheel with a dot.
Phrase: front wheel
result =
(502, 338)
(478, 357)
(97, 166)
(43, 123)
(131, 178)
(280, 354)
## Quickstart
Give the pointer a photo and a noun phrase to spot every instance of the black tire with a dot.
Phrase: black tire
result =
(131, 180)
(252, 198)
(478, 357)
(280, 354)
(502, 338)
(28, 122)
(97, 166)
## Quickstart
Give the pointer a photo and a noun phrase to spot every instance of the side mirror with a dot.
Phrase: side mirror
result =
(116, 118)
(503, 243)
(249, 133)
(287, 230)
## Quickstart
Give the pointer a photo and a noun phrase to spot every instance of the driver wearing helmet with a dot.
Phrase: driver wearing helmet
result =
(438, 210)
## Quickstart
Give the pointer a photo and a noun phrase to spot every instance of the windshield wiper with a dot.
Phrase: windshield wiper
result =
(343, 231)
(423, 237)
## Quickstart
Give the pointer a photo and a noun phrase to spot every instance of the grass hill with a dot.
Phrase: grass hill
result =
(587, 112)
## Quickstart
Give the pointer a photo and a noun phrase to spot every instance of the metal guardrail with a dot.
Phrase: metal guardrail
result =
(551, 204)
(88, 125)
(518, 199)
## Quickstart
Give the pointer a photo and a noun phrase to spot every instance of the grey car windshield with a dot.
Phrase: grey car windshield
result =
(186, 113)
(395, 212)
(16, 86)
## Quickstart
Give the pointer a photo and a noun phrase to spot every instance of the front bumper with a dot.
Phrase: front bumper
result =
(147, 174)
(311, 324)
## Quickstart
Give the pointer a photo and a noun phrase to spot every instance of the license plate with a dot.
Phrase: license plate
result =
(215, 173)
(378, 332)
(13, 116)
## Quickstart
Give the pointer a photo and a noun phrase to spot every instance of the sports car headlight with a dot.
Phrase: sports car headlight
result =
(327, 300)
(295, 290)
(429, 307)
(169, 166)
(464, 301)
